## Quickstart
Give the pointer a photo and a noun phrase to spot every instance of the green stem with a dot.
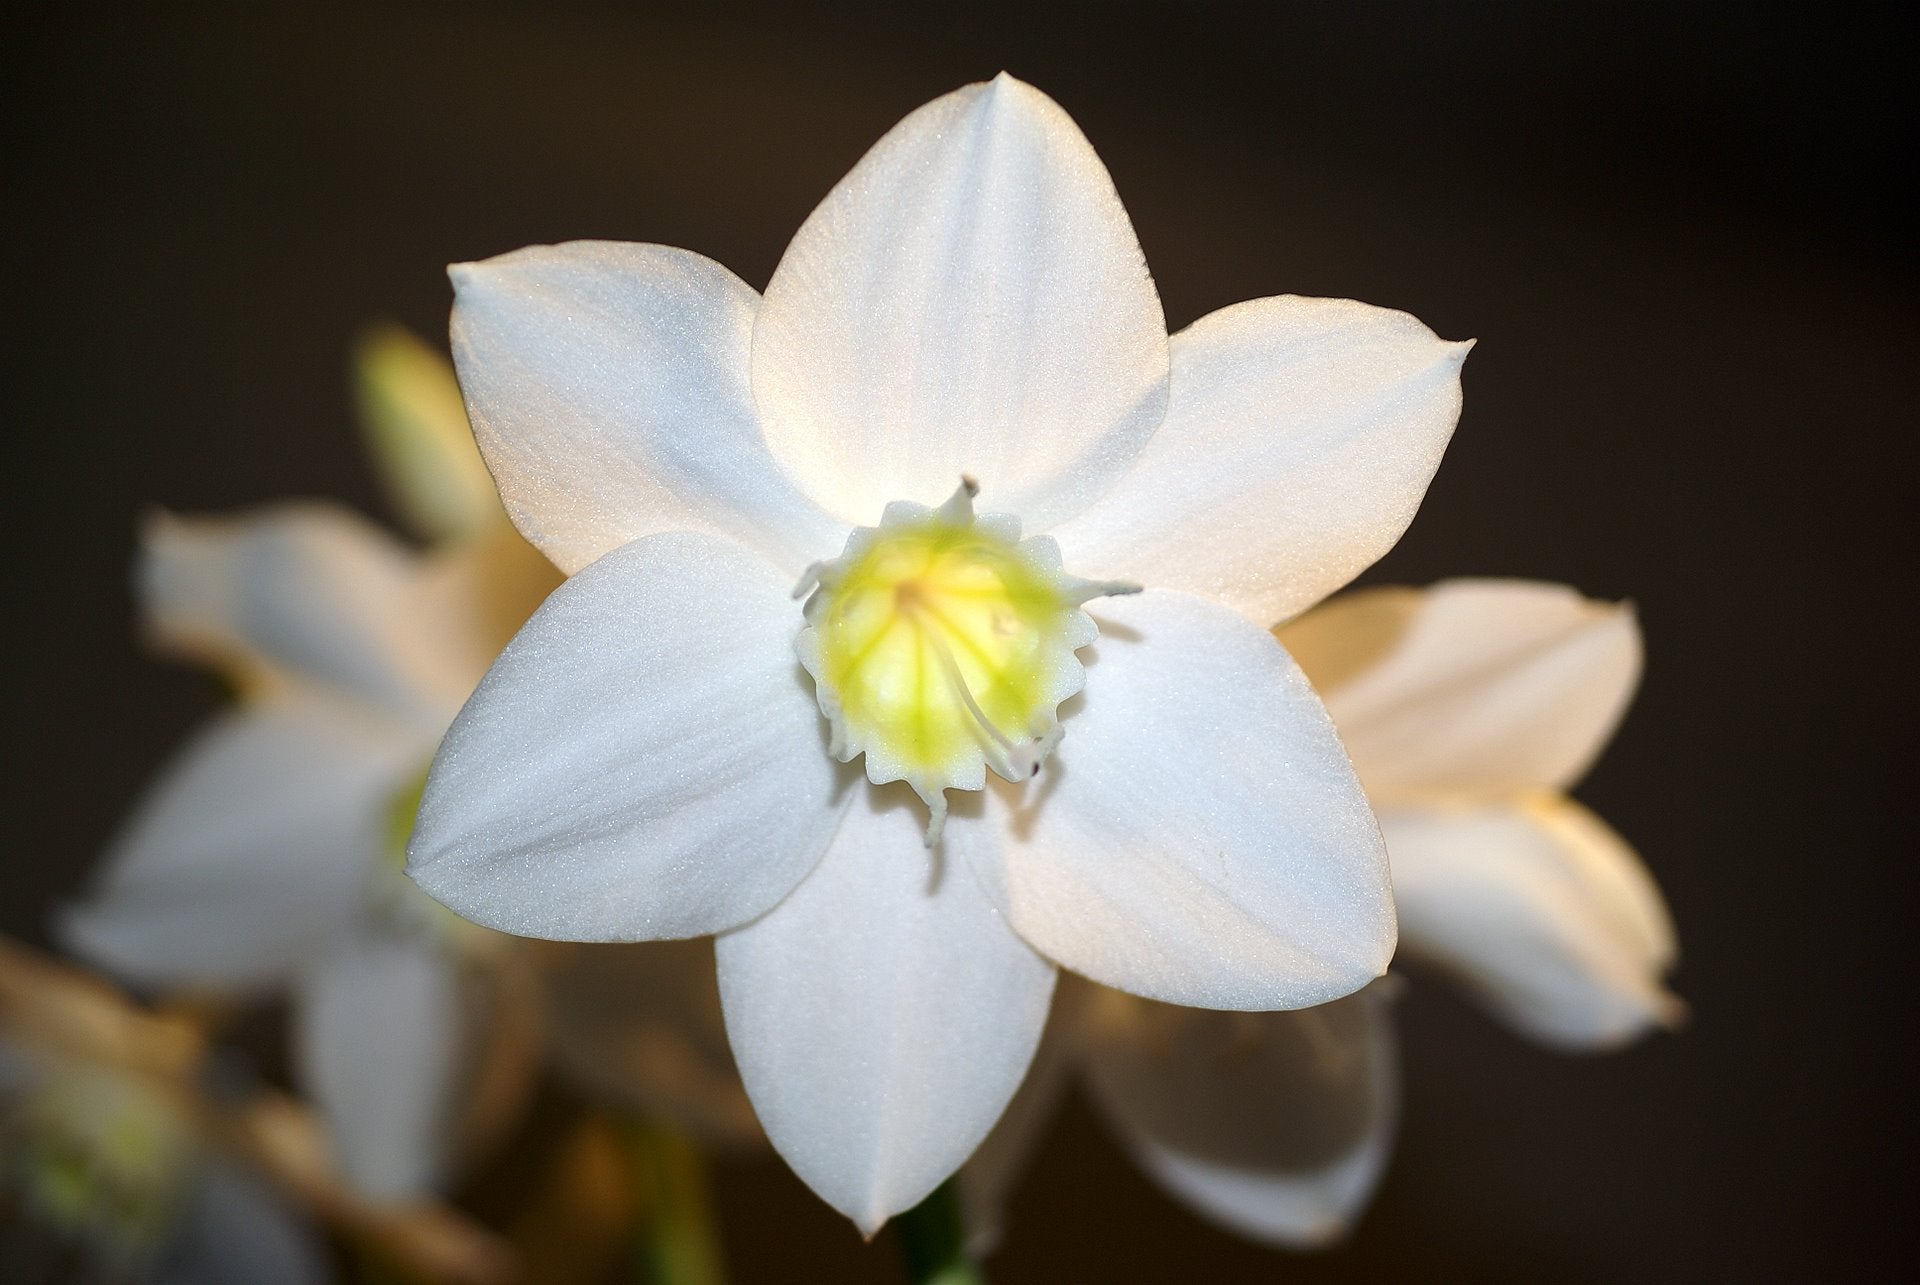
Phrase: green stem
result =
(933, 1240)
(676, 1241)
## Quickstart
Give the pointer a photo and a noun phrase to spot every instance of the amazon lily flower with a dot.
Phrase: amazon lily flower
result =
(1470, 709)
(268, 855)
(801, 529)
(112, 1160)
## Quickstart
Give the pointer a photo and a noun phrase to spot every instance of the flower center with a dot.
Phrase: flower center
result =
(99, 1154)
(941, 644)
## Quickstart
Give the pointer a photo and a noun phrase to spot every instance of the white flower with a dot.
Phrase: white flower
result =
(267, 855)
(1469, 709)
(646, 759)
(111, 1157)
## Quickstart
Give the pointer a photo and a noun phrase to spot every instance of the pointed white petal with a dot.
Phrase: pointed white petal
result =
(970, 299)
(608, 389)
(415, 427)
(1545, 913)
(254, 845)
(235, 1231)
(1300, 436)
(378, 1039)
(882, 1015)
(638, 1024)
(1276, 1125)
(1475, 687)
(644, 759)
(307, 590)
(1199, 836)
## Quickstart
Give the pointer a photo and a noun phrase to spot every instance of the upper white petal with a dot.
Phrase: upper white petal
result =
(312, 591)
(969, 299)
(1300, 436)
(644, 760)
(607, 384)
(378, 1038)
(638, 1024)
(1199, 836)
(1477, 687)
(1544, 912)
(1277, 1125)
(251, 849)
(882, 1015)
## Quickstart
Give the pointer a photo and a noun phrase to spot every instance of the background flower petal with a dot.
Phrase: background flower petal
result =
(987, 1181)
(969, 299)
(378, 1041)
(1199, 837)
(1299, 439)
(1276, 1125)
(310, 591)
(1473, 687)
(253, 845)
(607, 384)
(882, 1015)
(235, 1230)
(644, 760)
(638, 1024)
(1542, 911)
(415, 426)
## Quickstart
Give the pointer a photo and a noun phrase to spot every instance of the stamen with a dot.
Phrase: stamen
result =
(958, 510)
(936, 816)
(809, 580)
(1081, 592)
(1020, 764)
(1019, 760)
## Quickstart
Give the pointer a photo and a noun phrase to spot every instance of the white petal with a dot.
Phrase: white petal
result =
(236, 1231)
(1199, 836)
(882, 1015)
(254, 845)
(608, 389)
(378, 1039)
(638, 1024)
(306, 590)
(1544, 912)
(644, 760)
(1476, 687)
(1276, 1125)
(1300, 436)
(970, 299)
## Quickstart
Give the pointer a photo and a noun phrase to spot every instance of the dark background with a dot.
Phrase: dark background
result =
(1675, 236)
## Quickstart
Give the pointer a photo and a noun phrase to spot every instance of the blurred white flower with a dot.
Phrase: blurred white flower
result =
(1469, 709)
(646, 760)
(268, 854)
(111, 1163)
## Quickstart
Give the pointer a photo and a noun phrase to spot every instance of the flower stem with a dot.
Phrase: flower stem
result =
(933, 1241)
(676, 1241)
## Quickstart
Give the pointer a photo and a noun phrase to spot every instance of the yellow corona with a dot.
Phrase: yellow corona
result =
(942, 644)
